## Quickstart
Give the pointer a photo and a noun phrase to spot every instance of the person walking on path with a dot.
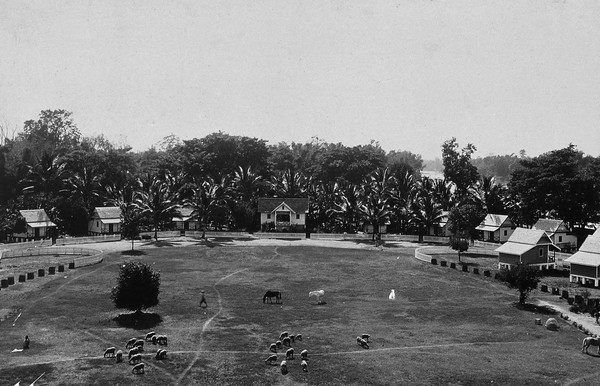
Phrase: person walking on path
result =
(203, 300)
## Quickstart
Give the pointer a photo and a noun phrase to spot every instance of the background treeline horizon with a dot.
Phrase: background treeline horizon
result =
(50, 165)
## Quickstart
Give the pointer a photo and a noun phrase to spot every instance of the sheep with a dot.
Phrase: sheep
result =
(292, 338)
(150, 335)
(110, 352)
(273, 347)
(161, 354)
(140, 344)
(299, 337)
(304, 365)
(271, 359)
(366, 337)
(287, 341)
(137, 358)
(119, 356)
(289, 354)
(161, 340)
(154, 341)
(304, 354)
(361, 342)
(283, 366)
(279, 344)
(283, 335)
(132, 352)
(131, 343)
(138, 369)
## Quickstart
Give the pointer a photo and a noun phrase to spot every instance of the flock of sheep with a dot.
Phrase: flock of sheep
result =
(136, 347)
(287, 339)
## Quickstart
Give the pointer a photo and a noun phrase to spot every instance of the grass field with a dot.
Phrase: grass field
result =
(445, 326)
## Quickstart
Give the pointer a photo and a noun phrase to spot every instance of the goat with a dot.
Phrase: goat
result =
(283, 366)
(287, 341)
(138, 369)
(161, 340)
(149, 336)
(289, 354)
(361, 342)
(137, 358)
(119, 356)
(366, 337)
(304, 354)
(304, 365)
(132, 352)
(131, 343)
(299, 337)
(110, 352)
(278, 344)
(161, 354)
(273, 347)
(271, 359)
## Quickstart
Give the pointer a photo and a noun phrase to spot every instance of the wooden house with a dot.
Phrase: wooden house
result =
(106, 220)
(441, 228)
(495, 228)
(585, 263)
(184, 221)
(558, 233)
(526, 246)
(39, 226)
(283, 214)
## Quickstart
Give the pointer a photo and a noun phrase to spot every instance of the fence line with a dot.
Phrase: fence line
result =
(88, 239)
(163, 234)
(48, 251)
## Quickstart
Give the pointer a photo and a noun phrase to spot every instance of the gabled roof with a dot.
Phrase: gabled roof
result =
(591, 244)
(297, 205)
(108, 212)
(550, 225)
(37, 218)
(589, 252)
(523, 240)
(185, 213)
(596, 233)
(444, 217)
(493, 222)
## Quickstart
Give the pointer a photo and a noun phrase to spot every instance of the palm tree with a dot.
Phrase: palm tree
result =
(83, 185)
(289, 184)
(46, 178)
(158, 200)
(208, 202)
(425, 210)
(376, 204)
(345, 205)
(402, 195)
(490, 195)
(245, 189)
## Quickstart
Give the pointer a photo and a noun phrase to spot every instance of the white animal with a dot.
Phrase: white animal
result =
(137, 358)
(392, 295)
(289, 354)
(149, 336)
(318, 294)
(590, 341)
(138, 369)
(304, 365)
(271, 359)
(273, 347)
(304, 354)
(110, 352)
(130, 343)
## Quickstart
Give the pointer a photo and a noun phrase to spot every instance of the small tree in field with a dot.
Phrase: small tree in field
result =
(523, 278)
(137, 287)
(131, 226)
(459, 244)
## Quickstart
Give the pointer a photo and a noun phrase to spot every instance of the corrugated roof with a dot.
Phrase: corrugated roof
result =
(32, 216)
(529, 237)
(591, 244)
(106, 212)
(550, 225)
(268, 205)
(495, 220)
(584, 258)
(514, 248)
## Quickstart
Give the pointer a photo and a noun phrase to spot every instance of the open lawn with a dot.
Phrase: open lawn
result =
(444, 327)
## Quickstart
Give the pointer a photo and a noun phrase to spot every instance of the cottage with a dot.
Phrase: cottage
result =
(184, 221)
(527, 246)
(283, 214)
(495, 228)
(585, 263)
(558, 233)
(441, 228)
(38, 226)
(106, 220)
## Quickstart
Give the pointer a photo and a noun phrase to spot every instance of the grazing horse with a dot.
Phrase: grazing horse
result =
(318, 294)
(590, 341)
(272, 294)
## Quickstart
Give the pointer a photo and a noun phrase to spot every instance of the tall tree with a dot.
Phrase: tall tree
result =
(375, 203)
(209, 202)
(425, 210)
(158, 201)
(458, 167)
(463, 219)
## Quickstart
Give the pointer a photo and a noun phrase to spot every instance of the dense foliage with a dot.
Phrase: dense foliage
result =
(137, 287)
(522, 277)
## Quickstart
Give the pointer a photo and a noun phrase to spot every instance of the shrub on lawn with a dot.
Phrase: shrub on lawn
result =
(137, 287)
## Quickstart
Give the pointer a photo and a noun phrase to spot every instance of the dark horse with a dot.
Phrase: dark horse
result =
(272, 294)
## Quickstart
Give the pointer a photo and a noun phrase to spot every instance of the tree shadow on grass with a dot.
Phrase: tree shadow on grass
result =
(135, 252)
(545, 310)
(138, 321)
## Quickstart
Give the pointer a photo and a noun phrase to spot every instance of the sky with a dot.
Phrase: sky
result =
(504, 75)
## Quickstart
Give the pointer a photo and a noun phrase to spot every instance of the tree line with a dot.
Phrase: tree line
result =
(50, 165)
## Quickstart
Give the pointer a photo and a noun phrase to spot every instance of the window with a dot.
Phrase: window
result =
(297, 216)
(268, 216)
(560, 239)
(505, 232)
(541, 252)
(97, 224)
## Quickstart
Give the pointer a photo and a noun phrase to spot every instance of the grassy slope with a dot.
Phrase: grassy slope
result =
(445, 326)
